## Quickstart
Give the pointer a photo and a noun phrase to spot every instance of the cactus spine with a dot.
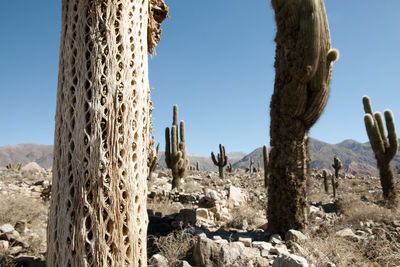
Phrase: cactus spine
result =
(303, 65)
(221, 161)
(265, 161)
(385, 148)
(337, 165)
(175, 150)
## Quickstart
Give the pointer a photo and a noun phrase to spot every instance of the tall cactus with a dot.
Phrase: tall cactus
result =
(221, 161)
(265, 161)
(385, 148)
(326, 184)
(175, 150)
(337, 165)
(303, 65)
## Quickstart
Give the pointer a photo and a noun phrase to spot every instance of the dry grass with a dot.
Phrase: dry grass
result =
(242, 213)
(175, 246)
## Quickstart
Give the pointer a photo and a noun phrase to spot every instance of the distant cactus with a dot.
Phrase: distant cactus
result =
(197, 166)
(229, 168)
(221, 161)
(337, 165)
(152, 160)
(265, 161)
(385, 148)
(251, 163)
(326, 184)
(175, 150)
(16, 167)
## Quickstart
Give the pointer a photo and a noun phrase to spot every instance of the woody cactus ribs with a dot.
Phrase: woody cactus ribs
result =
(385, 148)
(303, 65)
(221, 161)
(175, 150)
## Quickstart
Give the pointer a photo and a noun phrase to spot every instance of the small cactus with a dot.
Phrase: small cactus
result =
(197, 166)
(385, 148)
(251, 163)
(175, 150)
(229, 168)
(326, 184)
(152, 161)
(265, 161)
(221, 161)
(16, 167)
(337, 165)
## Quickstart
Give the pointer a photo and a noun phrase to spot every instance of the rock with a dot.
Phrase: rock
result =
(202, 213)
(20, 226)
(158, 260)
(6, 228)
(187, 217)
(236, 197)
(279, 249)
(4, 245)
(205, 252)
(289, 260)
(295, 236)
(348, 234)
(183, 264)
(245, 240)
(32, 166)
(15, 250)
(216, 237)
(299, 250)
(162, 174)
(275, 239)
(261, 245)
(231, 253)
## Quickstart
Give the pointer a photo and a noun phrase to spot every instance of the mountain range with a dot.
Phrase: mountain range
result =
(357, 158)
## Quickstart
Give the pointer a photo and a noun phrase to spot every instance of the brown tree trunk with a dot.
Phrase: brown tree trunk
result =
(98, 203)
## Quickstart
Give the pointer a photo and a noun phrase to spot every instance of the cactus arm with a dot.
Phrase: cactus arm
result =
(182, 131)
(213, 158)
(175, 115)
(367, 104)
(381, 127)
(167, 148)
(374, 135)
(392, 136)
(174, 143)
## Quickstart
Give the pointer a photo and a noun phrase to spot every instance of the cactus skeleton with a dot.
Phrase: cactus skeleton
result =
(221, 160)
(175, 150)
(385, 148)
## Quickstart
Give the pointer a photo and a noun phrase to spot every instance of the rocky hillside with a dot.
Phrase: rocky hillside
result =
(25, 153)
(357, 158)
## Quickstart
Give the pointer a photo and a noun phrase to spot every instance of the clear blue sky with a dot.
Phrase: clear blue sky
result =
(215, 61)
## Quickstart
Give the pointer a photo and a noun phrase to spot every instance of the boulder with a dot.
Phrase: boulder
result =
(289, 260)
(232, 254)
(158, 260)
(6, 228)
(236, 197)
(205, 252)
(295, 236)
(32, 166)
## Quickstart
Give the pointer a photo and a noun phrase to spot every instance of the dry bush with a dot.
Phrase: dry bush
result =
(175, 246)
(239, 214)
(333, 249)
(20, 207)
(166, 206)
(191, 187)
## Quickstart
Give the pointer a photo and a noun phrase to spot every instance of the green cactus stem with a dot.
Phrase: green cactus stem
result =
(221, 160)
(265, 161)
(175, 150)
(229, 168)
(152, 161)
(197, 166)
(251, 163)
(303, 67)
(385, 148)
(326, 184)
